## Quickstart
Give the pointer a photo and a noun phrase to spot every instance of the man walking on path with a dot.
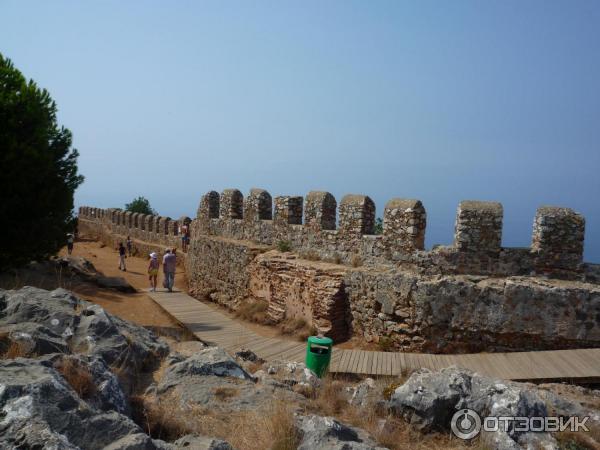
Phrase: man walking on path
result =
(122, 256)
(169, 264)
(70, 241)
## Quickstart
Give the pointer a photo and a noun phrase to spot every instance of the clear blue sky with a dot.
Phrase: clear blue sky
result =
(440, 101)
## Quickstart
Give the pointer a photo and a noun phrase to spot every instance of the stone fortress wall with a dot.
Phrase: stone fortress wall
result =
(346, 281)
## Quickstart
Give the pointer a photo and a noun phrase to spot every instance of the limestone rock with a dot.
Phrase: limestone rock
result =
(293, 373)
(51, 321)
(429, 399)
(326, 433)
(41, 410)
(212, 379)
(195, 442)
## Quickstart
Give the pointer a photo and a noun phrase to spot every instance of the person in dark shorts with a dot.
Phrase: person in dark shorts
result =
(122, 256)
(129, 244)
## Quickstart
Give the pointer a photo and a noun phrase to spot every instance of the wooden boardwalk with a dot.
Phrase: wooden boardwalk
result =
(213, 327)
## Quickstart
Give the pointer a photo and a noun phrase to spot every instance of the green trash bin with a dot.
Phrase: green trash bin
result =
(318, 354)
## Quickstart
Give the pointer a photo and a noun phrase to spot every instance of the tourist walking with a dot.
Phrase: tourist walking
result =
(185, 237)
(169, 265)
(153, 271)
(122, 256)
(70, 240)
(129, 244)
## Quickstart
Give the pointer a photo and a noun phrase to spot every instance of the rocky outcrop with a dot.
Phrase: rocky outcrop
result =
(212, 379)
(42, 322)
(40, 409)
(429, 400)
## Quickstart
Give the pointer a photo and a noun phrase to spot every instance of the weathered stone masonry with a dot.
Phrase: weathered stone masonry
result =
(472, 295)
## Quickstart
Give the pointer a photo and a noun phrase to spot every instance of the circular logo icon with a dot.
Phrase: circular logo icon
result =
(465, 424)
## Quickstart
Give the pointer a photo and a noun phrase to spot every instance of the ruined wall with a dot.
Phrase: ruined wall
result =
(473, 295)
(296, 288)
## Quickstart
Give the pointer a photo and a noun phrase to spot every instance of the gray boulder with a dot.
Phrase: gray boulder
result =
(39, 409)
(429, 400)
(326, 433)
(211, 378)
(57, 321)
(210, 361)
(290, 373)
(363, 394)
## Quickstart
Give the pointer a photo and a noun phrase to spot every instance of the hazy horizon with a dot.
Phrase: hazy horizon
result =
(439, 101)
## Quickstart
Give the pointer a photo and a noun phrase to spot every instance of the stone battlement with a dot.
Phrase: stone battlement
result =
(309, 225)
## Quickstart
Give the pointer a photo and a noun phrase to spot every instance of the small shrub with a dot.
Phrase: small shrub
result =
(356, 261)
(390, 388)
(385, 344)
(284, 246)
(378, 229)
(78, 377)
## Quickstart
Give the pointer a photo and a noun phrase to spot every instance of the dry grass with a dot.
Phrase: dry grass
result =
(78, 377)
(10, 349)
(310, 255)
(269, 427)
(356, 261)
(253, 311)
(334, 259)
(297, 327)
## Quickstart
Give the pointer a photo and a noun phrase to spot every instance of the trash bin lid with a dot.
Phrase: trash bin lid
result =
(320, 340)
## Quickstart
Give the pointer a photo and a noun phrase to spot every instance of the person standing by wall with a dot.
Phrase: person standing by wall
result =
(153, 271)
(129, 244)
(185, 236)
(122, 256)
(169, 265)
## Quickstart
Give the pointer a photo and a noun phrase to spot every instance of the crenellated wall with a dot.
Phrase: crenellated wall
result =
(347, 281)
(310, 225)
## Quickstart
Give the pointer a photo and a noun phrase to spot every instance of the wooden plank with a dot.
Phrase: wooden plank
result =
(343, 365)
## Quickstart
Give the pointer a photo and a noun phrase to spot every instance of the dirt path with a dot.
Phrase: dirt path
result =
(137, 308)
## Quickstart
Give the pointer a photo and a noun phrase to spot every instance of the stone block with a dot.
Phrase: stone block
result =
(557, 241)
(404, 223)
(357, 215)
(478, 226)
(288, 210)
(231, 204)
(209, 206)
(258, 205)
(320, 210)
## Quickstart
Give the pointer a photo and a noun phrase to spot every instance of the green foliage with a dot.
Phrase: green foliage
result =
(379, 225)
(39, 171)
(284, 246)
(140, 205)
